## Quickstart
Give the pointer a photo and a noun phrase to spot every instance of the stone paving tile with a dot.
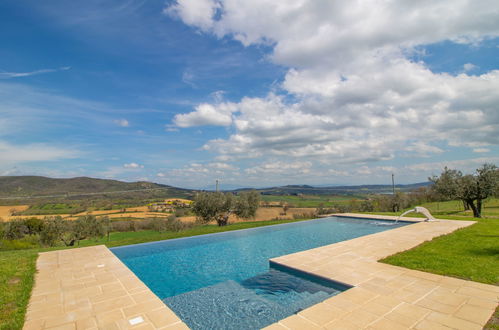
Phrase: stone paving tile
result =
(391, 297)
(89, 288)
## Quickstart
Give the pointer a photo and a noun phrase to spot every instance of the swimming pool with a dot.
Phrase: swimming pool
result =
(224, 280)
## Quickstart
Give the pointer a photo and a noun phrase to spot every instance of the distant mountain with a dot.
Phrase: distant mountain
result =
(336, 190)
(29, 186)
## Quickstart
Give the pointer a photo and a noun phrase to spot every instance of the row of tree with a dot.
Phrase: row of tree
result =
(52, 230)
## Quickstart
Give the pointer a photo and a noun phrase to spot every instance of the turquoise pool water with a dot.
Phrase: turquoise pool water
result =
(223, 281)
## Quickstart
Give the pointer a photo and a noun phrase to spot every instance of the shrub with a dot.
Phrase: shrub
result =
(2, 228)
(305, 215)
(54, 229)
(15, 229)
(34, 225)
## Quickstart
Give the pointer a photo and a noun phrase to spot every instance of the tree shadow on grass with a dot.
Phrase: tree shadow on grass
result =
(492, 251)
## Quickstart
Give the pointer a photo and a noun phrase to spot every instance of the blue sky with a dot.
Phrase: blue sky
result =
(250, 93)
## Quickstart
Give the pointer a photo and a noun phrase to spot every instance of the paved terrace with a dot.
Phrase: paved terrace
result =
(386, 296)
(89, 288)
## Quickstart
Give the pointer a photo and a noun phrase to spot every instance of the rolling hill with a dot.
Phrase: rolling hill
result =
(37, 186)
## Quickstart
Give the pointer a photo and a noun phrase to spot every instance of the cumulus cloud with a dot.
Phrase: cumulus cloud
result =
(356, 94)
(133, 166)
(207, 114)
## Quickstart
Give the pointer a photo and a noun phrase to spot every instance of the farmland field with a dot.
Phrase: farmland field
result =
(311, 200)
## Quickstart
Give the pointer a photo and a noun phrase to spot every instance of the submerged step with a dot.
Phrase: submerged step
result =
(252, 304)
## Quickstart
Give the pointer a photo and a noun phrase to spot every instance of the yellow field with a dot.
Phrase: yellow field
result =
(141, 212)
(6, 211)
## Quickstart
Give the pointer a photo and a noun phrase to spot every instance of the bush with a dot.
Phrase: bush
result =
(54, 229)
(2, 228)
(89, 226)
(34, 225)
(15, 229)
(305, 215)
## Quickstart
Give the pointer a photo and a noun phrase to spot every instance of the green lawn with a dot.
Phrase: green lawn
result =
(17, 268)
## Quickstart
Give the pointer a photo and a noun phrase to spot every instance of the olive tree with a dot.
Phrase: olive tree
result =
(218, 206)
(472, 189)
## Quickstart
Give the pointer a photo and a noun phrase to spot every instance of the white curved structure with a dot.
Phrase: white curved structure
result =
(419, 209)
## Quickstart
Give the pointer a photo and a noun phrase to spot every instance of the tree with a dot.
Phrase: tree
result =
(218, 206)
(472, 189)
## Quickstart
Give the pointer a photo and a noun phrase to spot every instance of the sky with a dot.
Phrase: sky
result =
(250, 93)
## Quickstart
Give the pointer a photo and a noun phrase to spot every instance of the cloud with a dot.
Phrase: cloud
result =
(207, 114)
(188, 77)
(8, 75)
(481, 150)
(133, 166)
(195, 12)
(467, 67)
(34, 152)
(352, 92)
(122, 122)
(281, 168)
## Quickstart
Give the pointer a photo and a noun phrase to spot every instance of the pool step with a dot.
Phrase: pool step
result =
(235, 305)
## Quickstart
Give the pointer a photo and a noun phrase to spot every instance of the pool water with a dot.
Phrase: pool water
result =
(224, 281)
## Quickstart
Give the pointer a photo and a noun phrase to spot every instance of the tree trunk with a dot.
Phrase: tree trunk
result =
(466, 206)
(223, 220)
(479, 207)
(476, 212)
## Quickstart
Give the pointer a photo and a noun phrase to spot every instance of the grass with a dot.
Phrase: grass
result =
(17, 268)
(470, 253)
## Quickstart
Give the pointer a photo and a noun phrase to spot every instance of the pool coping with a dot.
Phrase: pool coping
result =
(90, 288)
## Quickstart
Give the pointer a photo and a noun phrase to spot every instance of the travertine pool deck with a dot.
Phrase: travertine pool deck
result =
(385, 296)
(90, 288)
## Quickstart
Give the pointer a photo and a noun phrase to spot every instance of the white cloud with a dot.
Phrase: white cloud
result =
(467, 67)
(7, 75)
(356, 95)
(481, 150)
(195, 12)
(133, 166)
(281, 168)
(122, 122)
(207, 114)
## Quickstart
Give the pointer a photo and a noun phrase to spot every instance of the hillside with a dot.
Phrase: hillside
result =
(36, 186)
(337, 190)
